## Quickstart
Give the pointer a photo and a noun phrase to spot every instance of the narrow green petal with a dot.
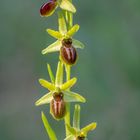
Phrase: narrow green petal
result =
(73, 30)
(45, 99)
(73, 97)
(68, 6)
(77, 44)
(59, 74)
(50, 73)
(72, 130)
(88, 128)
(76, 117)
(62, 23)
(53, 47)
(54, 33)
(47, 84)
(48, 128)
(70, 137)
(68, 84)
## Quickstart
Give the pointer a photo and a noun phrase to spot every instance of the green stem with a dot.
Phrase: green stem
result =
(67, 117)
(69, 19)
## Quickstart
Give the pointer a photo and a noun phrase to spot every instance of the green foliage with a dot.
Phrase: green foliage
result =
(48, 128)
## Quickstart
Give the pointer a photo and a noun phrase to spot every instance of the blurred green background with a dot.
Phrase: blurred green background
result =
(108, 68)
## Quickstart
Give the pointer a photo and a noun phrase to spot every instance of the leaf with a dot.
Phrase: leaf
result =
(73, 97)
(70, 137)
(47, 84)
(51, 73)
(48, 128)
(54, 33)
(62, 23)
(59, 74)
(76, 117)
(78, 44)
(68, 84)
(88, 128)
(45, 99)
(73, 30)
(68, 6)
(53, 47)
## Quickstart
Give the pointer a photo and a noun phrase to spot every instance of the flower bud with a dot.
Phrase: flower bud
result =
(48, 8)
(57, 106)
(68, 52)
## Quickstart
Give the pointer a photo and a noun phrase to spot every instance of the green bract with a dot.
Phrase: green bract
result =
(61, 34)
(59, 86)
(75, 130)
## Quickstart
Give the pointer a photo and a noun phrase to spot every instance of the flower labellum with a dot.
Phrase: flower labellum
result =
(68, 52)
(80, 138)
(57, 106)
(47, 9)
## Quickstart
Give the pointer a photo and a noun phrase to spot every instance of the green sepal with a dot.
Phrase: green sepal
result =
(54, 33)
(47, 84)
(70, 96)
(46, 99)
(78, 44)
(73, 30)
(48, 128)
(88, 128)
(70, 137)
(76, 117)
(62, 23)
(50, 73)
(68, 84)
(59, 74)
(53, 47)
(68, 6)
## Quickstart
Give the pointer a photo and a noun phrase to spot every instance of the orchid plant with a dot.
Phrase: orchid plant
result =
(60, 94)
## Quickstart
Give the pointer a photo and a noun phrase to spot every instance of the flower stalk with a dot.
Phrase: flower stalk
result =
(60, 95)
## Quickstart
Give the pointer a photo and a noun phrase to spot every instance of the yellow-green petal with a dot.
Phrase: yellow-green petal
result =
(59, 74)
(46, 99)
(78, 44)
(76, 117)
(54, 33)
(68, 6)
(73, 30)
(47, 84)
(62, 23)
(50, 73)
(88, 128)
(72, 130)
(68, 84)
(70, 96)
(48, 128)
(53, 47)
